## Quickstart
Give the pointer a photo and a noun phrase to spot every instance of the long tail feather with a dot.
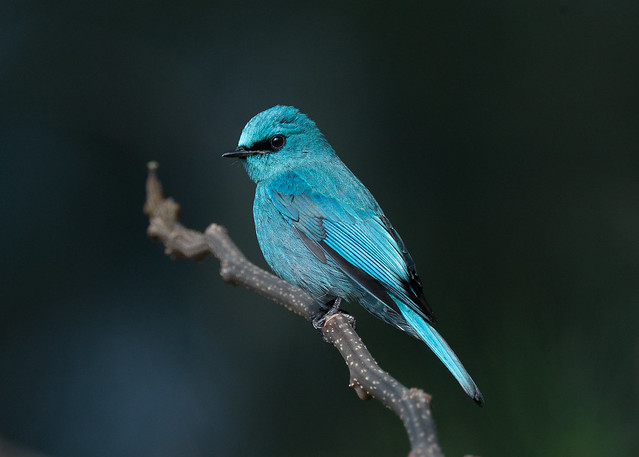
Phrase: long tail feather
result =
(437, 344)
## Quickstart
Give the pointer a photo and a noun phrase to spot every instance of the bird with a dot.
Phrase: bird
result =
(321, 229)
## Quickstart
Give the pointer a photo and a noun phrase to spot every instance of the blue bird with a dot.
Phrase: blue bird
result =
(319, 228)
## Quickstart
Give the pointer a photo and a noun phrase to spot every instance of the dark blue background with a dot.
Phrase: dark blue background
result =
(502, 140)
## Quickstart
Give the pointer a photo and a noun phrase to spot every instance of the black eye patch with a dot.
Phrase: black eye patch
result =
(272, 144)
(262, 145)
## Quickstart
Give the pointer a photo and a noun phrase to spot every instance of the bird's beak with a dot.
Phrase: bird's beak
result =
(241, 153)
(237, 153)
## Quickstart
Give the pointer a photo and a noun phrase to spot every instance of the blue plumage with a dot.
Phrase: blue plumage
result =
(320, 229)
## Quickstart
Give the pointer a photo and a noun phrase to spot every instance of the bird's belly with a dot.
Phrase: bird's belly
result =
(294, 262)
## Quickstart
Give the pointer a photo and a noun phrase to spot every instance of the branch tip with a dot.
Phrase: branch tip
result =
(154, 194)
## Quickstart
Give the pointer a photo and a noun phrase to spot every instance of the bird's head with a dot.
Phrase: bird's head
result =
(278, 140)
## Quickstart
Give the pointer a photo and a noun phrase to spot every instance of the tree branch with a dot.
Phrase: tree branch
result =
(366, 377)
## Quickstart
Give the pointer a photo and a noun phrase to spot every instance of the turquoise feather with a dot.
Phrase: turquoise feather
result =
(321, 229)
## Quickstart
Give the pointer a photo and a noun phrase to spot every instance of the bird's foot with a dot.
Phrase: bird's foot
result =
(320, 318)
(333, 308)
(351, 319)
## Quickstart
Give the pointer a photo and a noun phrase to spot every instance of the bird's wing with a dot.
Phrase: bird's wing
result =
(362, 242)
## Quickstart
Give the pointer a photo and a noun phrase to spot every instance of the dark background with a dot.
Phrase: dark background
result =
(502, 140)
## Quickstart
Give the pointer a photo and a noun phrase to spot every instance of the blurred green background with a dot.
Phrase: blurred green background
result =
(501, 138)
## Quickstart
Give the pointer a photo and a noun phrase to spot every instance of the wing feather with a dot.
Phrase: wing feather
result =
(361, 242)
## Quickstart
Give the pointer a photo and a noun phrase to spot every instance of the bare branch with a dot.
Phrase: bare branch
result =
(366, 377)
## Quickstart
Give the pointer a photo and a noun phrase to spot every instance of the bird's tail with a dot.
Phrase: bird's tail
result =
(437, 344)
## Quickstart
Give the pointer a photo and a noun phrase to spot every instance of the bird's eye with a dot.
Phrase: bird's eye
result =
(278, 142)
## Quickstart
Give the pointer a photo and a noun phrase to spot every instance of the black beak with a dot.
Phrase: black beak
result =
(242, 152)
(238, 153)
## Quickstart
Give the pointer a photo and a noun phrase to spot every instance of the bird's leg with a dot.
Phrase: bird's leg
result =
(327, 311)
(333, 308)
